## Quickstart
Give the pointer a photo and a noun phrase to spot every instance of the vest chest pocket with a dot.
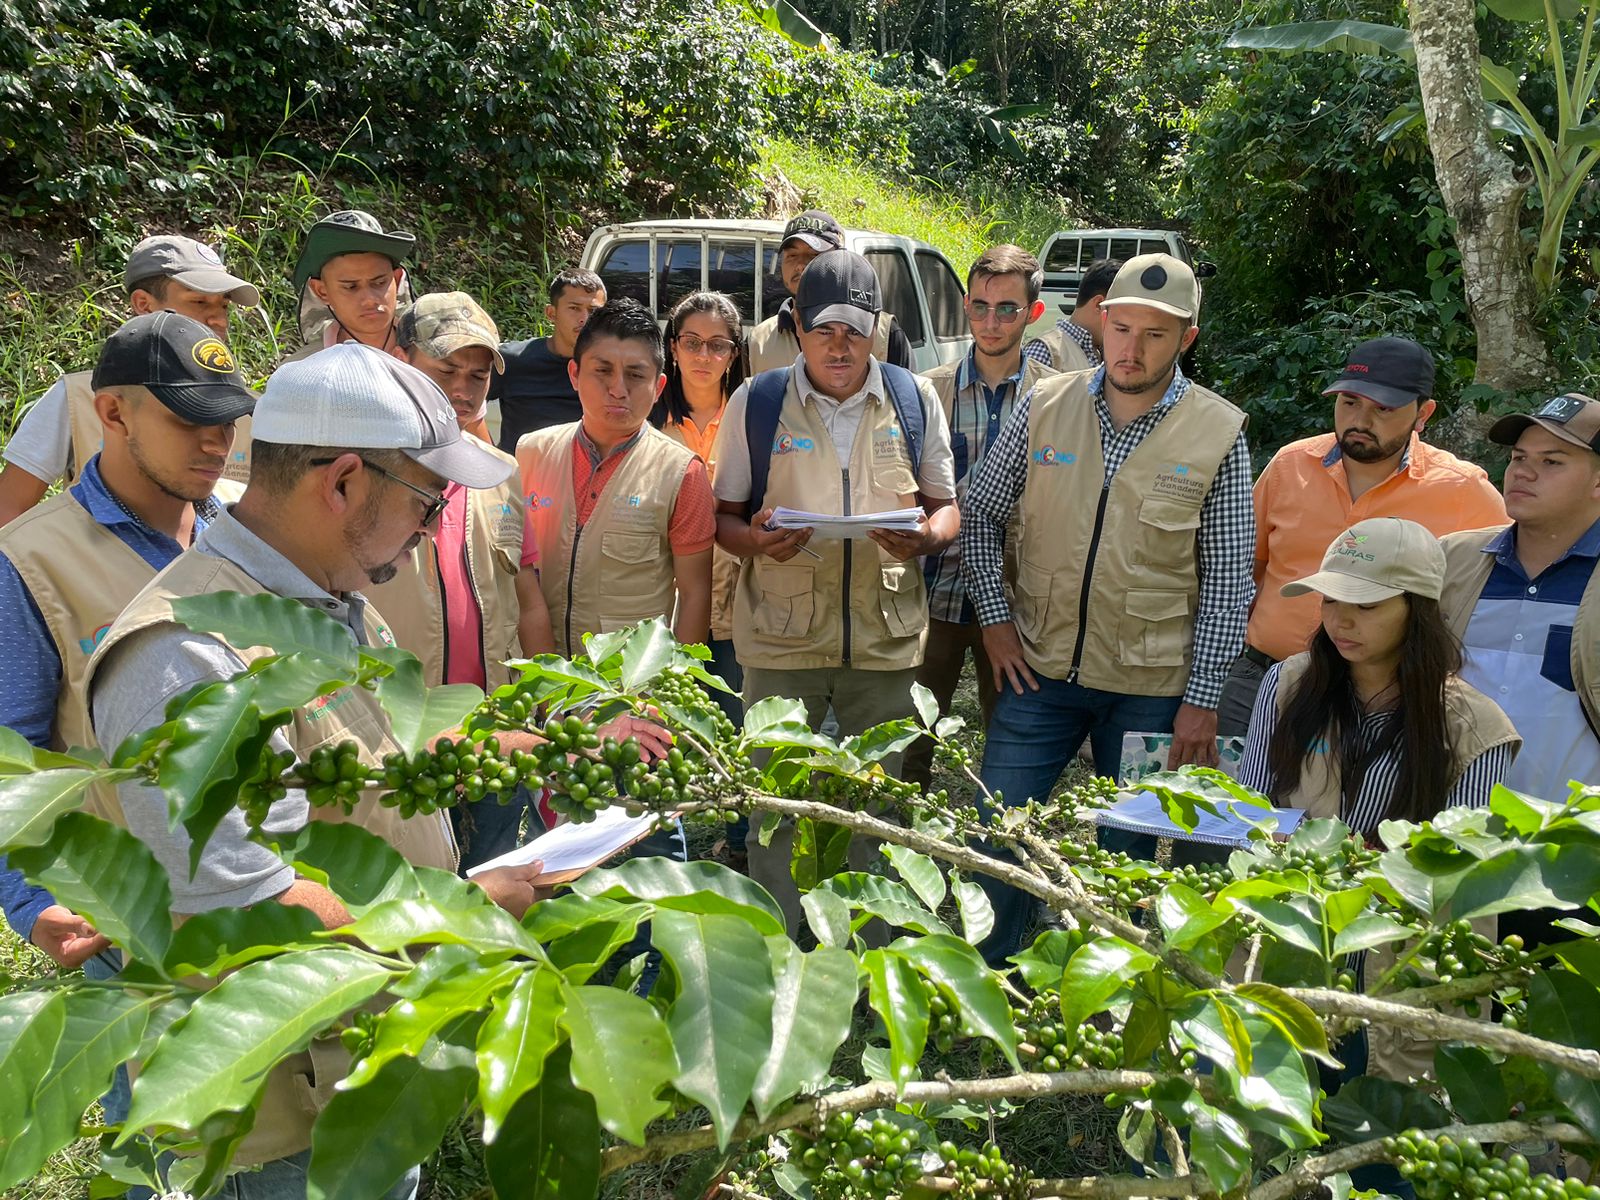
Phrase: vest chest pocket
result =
(1155, 630)
(785, 602)
(894, 477)
(1167, 532)
(630, 548)
(904, 609)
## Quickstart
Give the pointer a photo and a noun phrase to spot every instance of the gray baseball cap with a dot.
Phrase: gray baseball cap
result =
(191, 263)
(839, 285)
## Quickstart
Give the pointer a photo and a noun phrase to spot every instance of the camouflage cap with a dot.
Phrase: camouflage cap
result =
(441, 323)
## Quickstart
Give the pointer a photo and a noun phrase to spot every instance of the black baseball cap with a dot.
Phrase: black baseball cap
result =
(816, 229)
(1391, 371)
(181, 362)
(839, 286)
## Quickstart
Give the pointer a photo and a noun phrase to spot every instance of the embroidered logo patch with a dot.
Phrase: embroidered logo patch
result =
(1049, 456)
(87, 644)
(787, 443)
(213, 356)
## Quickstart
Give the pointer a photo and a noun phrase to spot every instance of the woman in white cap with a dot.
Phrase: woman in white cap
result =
(1372, 721)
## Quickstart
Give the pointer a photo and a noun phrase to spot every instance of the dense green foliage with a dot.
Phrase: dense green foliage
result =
(447, 1003)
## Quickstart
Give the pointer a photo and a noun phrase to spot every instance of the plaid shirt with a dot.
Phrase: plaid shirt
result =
(976, 418)
(1226, 543)
(1040, 353)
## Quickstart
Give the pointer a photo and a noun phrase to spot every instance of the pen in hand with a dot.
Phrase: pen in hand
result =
(771, 528)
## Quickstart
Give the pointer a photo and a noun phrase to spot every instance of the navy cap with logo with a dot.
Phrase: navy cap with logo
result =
(839, 286)
(1391, 371)
(816, 229)
(181, 362)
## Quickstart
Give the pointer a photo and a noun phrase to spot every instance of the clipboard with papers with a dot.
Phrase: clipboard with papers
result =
(572, 848)
(832, 526)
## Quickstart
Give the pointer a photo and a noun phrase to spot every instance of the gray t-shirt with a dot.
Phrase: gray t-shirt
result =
(42, 443)
(149, 668)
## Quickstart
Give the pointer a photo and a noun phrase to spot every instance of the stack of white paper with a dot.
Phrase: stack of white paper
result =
(1141, 812)
(826, 525)
(571, 848)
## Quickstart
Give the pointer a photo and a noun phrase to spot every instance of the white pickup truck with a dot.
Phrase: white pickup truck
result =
(658, 263)
(1068, 253)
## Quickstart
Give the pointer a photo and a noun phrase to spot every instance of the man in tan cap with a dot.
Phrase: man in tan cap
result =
(467, 599)
(61, 432)
(1129, 492)
(1524, 599)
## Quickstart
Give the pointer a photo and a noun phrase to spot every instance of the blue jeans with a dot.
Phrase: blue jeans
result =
(285, 1179)
(115, 1102)
(1032, 738)
(486, 829)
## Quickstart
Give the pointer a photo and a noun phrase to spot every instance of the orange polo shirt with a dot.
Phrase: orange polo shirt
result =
(1303, 502)
(702, 443)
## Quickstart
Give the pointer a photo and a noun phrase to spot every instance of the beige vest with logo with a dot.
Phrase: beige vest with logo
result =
(299, 1088)
(724, 566)
(1467, 570)
(857, 607)
(413, 601)
(88, 435)
(771, 347)
(617, 570)
(1143, 579)
(1065, 353)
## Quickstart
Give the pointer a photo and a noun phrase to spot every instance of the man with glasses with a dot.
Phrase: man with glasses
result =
(977, 393)
(774, 343)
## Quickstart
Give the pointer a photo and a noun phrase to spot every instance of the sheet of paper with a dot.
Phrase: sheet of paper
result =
(1141, 812)
(833, 525)
(570, 848)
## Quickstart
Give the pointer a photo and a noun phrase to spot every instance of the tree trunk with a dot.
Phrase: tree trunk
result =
(1483, 193)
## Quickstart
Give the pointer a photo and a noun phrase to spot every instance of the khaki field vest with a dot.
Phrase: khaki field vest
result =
(1473, 725)
(1065, 353)
(617, 570)
(299, 1088)
(413, 601)
(857, 607)
(724, 566)
(771, 347)
(943, 379)
(88, 436)
(1467, 570)
(1137, 584)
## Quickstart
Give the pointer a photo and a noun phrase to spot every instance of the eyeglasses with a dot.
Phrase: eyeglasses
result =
(715, 347)
(980, 310)
(435, 502)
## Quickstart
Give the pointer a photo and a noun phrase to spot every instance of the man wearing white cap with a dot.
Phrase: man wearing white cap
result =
(354, 451)
(61, 432)
(1129, 492)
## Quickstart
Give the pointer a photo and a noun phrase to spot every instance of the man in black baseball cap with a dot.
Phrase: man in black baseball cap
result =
(772, 343)
(167, 394)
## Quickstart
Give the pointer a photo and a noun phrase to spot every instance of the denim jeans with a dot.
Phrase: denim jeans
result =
(115, 1102)
(1032, 737)
(285, 1179)
(486, 829)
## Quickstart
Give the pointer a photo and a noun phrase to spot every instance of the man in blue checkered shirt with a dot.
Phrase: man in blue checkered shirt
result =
(1127, 490)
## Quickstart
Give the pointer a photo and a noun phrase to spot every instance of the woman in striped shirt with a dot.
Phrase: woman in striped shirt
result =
(1372, 722)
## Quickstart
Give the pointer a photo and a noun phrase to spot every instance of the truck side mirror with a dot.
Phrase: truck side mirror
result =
(1204, 270)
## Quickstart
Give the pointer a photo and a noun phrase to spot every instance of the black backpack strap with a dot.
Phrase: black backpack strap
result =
(901, 385)
(763, 402)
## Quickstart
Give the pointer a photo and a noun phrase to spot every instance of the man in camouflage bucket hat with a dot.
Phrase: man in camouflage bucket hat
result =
(352, 282)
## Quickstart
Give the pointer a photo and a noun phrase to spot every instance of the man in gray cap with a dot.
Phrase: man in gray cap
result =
(351, 281)
(833, 622)
(354, 451)
(60, 432)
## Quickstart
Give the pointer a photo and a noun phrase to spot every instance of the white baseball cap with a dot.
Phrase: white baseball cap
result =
(353, 397)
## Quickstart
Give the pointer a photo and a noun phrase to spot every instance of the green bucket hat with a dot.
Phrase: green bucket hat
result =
(348, 232)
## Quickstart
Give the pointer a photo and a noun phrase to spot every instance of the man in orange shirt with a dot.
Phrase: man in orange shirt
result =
(1373, 464)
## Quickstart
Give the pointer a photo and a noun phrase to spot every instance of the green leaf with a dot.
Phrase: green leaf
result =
(1185, 916)
(404, 1028)
(395, 924)
(878, 743)
(1290, 920)
(1366, 932)
(985, 1012)
(706, 887)
(1093, 976)
(1278, 1097)
(16, 752)
(1566, 1009)
(284, 626)
(972, 902)
(215, 1058)
(419, 713)
(1219, 1145)
(1302, 1026)
(1348, 37)
(622, 1055)
(580, 954)
(821, 850)
(894, 989)
(101, 1030)
(921, 872)
(355, 865)
(1369, 1107)
(648, 651)
(31, 1024)
(210, 943)
(887, 899)
(30, 804)
(368, 1137)
(1527, 877)
(285, 684)
(1471, 1077)
(1587, 134)
(784, 18)
(569, 912)
(515, 1043)
(829, 917)
(1018, 112)
(721, 1019)
(922, 699)
(109, 876)
(813, 998)
(548, 1147)
(1534, 10)
(773, 712)
(1045, 962)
